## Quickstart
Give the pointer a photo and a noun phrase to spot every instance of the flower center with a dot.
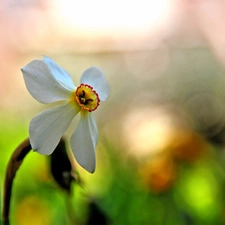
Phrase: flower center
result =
(87, 98)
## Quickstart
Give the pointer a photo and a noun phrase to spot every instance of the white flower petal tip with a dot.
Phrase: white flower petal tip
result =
(95, 77)
(87, 162)
(83, 142)
(43, 152)
(89, 168)
(42, 85)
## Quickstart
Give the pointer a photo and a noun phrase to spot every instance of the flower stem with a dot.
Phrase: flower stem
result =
(13, 165)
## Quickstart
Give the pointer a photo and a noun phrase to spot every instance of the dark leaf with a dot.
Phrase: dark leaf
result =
(61, 167)
(96, 215)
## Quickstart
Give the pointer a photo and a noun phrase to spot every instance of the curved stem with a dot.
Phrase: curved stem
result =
(13, 165)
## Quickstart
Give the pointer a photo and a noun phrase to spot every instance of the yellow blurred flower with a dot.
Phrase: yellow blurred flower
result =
(33, 211)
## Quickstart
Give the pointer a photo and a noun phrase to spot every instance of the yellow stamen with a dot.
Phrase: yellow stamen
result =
(87, 98)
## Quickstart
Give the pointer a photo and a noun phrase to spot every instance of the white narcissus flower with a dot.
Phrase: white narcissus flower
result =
(48, 83)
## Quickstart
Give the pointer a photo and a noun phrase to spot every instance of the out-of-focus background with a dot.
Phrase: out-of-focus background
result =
(160, 156)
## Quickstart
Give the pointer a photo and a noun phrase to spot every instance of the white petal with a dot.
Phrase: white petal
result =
(93, 129)
(42, 85)
(59, 73)
(48, 127)
(95, 77)
(84, 140)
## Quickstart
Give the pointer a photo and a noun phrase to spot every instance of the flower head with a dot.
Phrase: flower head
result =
(48, 83)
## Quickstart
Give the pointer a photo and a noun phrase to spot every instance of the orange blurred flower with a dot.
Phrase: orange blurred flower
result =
(186, 145)
(159, 174)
